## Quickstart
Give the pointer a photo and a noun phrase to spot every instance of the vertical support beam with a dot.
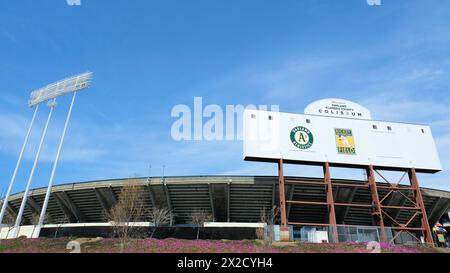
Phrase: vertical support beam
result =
(434, 209)
(228, 201)
(347, 209)
(69, 207)
(336, 193)
(330, 201)
(438, 211)
(419, 202)
(169, 203)
(69, 215)
(101, 199)
(152, 195)
(12, 211)
(272, 201)
(377, 210)
(33, 205)
(290, 196)
(211, 201)
(106, 198)
(168, 200)
(111, 196)
(282, 194)
(284, 230)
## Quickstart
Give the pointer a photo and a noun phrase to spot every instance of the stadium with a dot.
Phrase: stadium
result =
(236, 203)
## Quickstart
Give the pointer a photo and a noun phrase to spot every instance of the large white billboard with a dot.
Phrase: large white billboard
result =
(342, 141)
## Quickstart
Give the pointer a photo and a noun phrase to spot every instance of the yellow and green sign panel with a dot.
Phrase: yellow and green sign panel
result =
(345, 142)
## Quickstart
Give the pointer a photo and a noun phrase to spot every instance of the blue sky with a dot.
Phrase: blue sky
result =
(151, 55)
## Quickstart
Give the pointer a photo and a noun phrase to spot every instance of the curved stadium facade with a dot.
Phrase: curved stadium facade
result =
(234, 201)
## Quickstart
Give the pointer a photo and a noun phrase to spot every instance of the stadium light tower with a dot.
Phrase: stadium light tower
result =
(76, 83)
(48, 94)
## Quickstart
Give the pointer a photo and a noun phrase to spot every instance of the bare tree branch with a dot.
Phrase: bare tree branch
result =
(199, 218)
(9, 221)
(130, 208)
(269, 218)
(159, 217)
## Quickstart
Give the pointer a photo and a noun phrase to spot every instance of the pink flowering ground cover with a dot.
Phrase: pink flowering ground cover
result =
(48, 245)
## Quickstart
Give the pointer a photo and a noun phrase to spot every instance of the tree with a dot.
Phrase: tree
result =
(35, 221)
(130, 208)
(159, 217)
(9, 221)
(60, 222)
(199, 218)
(269, 218)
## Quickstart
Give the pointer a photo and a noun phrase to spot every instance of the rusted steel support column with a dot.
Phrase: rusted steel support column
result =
(419, 202)
(377, 210)
(284, 230)
(330, 201)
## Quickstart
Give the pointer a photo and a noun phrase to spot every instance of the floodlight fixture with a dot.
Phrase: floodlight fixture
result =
(60, 88)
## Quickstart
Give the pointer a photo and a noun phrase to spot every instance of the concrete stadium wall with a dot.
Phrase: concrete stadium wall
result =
(211, 231)
(187, 233)
(27, 231)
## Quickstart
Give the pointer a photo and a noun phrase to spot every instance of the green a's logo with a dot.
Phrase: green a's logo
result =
(301, 137)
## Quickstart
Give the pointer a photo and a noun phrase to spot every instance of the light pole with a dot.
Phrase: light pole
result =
(52, 105)
(19, 161)
(55, 165)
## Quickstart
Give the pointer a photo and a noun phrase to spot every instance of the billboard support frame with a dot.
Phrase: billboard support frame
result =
(330, 201)
(377, 212)
(284, 230)
(377, 206)
(419, 201)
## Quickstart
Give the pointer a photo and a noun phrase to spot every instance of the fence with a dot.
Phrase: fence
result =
(357, 234)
